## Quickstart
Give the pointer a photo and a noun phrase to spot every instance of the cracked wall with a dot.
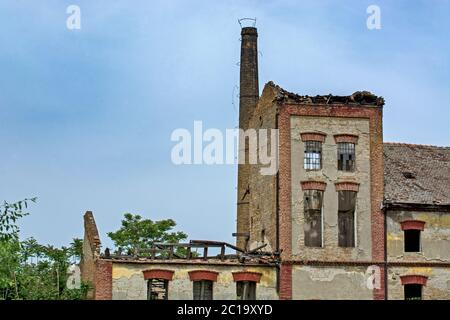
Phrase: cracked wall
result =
(330, 175)
(128, 281)
(334, 283)
(437, 287)
(434, 239)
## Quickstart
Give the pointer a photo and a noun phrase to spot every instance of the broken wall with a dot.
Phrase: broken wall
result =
(128, 280)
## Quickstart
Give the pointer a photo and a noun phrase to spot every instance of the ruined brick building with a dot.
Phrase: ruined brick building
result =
(343, 205)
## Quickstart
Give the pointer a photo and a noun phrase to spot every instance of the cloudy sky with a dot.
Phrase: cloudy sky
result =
(86, 115)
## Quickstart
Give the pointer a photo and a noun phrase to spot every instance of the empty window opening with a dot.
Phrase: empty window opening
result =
(313, 217)
(346, 218)
(157, 289)
(313, 155)
(346, 156)
(203, 290)
(412, 240)
(246, 290)
(413, 291)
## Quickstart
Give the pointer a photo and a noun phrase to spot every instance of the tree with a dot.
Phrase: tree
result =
(137, 232)
(29, 270)
(9, 214)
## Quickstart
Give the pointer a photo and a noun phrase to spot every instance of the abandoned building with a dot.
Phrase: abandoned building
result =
(343, 202)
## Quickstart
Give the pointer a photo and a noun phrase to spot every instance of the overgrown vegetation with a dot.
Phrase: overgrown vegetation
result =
(29, 270)
(32, 271)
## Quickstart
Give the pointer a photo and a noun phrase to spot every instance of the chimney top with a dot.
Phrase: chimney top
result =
(249, 31)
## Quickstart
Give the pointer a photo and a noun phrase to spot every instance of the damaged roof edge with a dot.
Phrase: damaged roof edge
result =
(362, 98)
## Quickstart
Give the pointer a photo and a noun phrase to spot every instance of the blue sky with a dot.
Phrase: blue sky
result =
(86, 115)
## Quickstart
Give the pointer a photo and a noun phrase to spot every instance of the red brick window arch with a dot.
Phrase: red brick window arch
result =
(246, 284)
(198, 275)
(412, 232)
(413, 286)
(158, 283)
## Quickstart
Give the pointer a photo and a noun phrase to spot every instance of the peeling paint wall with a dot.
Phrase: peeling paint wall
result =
(437, 288)
(435, 238)
(330, 175)
(129, 283)
(337, 283)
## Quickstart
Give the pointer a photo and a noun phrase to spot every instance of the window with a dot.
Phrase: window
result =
(157, 289)
(412, 240)
(313, 155)
(413, 291)
(313, 217)
(346, 218)
(346, 156)
(246, 290)
(203, 290)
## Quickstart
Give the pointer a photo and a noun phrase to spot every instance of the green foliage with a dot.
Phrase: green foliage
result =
(137, 232)
(29, 270)
(9, 214)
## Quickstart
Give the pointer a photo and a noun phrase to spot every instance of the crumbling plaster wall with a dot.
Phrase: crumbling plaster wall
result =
(330, 175)
(434, 239)
(330, 283)
(437, 287)
(129, 283)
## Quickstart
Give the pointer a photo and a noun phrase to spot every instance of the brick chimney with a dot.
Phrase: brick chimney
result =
(248, 98)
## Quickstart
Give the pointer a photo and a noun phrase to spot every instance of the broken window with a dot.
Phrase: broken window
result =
(203, 290)
(412, 240)
(413, 291)
(157, 289)
(346, 218)
(313, 155)
(246, 290)
(313, 217)
(346, 156)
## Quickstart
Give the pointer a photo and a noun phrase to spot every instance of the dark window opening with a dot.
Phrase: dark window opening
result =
(203, 290)
(246, 290)
(412, 240)
(346, 156)
(346, 218)
(413, 291)
(263, 235)
(313, 155)
(157, 289)
(313, 218)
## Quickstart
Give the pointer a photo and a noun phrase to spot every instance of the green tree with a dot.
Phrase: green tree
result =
(137, 232)
(29, 270)
(9, 214)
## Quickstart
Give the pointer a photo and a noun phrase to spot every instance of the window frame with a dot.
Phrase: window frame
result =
(246, 286)
(312, 147)
(341, 213)
(203, 289)
(343, 148)
(150, 291)
(307, 212)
